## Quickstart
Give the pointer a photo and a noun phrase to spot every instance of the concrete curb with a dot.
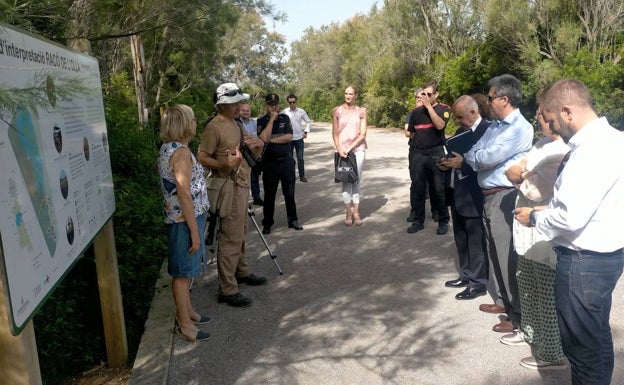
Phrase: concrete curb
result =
(151, 365)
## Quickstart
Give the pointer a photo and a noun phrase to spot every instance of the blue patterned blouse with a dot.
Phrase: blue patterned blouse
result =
(173, 211)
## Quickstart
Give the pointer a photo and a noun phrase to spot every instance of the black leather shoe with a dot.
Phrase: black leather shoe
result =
(456, 283)
(411, 217)
(252, 280)
(294, 225)
(415, 227)
(266, 230)
(258, 202)
(470, 293)
(236, 300)
(442, 228)
(303, 179)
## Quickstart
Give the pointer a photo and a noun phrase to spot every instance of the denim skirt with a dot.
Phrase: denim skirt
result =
(182, 264)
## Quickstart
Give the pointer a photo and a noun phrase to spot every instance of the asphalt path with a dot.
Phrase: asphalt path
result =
(355, 305)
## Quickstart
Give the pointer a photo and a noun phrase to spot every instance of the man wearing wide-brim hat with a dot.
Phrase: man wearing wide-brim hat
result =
(219, 151)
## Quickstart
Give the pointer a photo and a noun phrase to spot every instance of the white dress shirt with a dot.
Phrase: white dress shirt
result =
(297, 116)
(587, 207)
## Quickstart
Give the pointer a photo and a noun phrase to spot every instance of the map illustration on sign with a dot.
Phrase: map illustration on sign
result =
(26, 144)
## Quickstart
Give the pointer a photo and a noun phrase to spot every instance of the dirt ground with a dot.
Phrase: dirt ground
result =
(102, 375)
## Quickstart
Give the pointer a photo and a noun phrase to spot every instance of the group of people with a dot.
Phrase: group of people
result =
(535, 224)
(183, 183)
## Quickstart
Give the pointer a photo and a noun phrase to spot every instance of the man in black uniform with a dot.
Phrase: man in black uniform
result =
(426, 128)
(275, 130)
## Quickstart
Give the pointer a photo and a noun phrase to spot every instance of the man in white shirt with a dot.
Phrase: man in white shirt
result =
(583, 223)
(297, 116)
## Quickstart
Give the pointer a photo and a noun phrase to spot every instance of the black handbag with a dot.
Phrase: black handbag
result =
(346, 169)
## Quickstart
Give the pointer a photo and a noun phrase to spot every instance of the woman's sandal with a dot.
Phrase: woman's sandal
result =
(349, 220)
(203, 319)
(190, 334)
(356, 219)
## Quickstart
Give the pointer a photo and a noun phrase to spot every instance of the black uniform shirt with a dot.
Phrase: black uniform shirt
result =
(281, 126)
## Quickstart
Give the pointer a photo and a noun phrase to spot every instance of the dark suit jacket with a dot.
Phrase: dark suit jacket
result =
(467, 194)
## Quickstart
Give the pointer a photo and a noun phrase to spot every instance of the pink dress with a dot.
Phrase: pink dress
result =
(349, 125)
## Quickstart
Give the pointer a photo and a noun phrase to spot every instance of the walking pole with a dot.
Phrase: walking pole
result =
(252, 214)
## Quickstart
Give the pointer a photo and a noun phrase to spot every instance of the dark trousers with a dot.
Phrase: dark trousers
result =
(272, 174)
(424, 171)
(584, 283)
(254, 183)
(497, 219)
(470, 242)
(298, 149)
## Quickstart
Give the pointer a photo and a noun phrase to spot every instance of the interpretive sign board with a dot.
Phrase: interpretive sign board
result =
(56, 185)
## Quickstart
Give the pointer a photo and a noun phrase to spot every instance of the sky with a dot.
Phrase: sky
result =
(315, 13)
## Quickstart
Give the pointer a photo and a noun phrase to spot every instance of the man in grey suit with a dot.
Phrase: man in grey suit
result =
(466, 201)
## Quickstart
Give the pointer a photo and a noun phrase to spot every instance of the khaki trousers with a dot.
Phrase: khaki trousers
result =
(231, 259)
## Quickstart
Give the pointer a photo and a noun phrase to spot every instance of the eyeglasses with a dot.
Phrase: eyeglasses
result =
(492, 98)
(292, 101)
(429, 94)
(232, 93)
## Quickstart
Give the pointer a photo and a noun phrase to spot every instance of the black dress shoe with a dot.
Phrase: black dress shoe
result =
(415, 227)
(236, 300)
(471, 293)
(294, 225)
(258, 202)
(456, 283)
(442, 228)
(252, 280)
(266, 230)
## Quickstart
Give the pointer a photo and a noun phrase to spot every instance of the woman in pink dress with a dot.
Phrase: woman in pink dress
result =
(349, 133)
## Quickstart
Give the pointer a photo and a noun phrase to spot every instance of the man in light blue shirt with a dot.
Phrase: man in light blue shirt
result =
(297, 116)
(505, 141)
(251, 127)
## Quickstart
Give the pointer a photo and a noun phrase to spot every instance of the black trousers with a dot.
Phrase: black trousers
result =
(272, 174)
(424, 171)
(469, 237)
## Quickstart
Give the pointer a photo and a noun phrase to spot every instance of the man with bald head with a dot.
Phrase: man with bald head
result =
(583, 223)
(506, 140)
(466, 201)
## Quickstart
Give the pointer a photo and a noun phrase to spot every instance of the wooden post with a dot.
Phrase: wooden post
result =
(110, 296)
(19, 363)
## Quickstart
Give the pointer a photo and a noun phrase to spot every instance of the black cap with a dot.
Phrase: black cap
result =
(272, 99)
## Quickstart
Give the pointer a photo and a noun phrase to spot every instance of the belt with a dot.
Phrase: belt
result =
(566, 251)
(275, 160)
(494, 190)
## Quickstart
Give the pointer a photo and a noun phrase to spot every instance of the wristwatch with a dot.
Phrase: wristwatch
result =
(532, 218)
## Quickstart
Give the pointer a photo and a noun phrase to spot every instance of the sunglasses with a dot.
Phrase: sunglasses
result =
(492, 98)
(232, 93)
(292, 102)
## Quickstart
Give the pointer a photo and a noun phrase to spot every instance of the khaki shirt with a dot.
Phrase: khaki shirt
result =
(218, 137)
